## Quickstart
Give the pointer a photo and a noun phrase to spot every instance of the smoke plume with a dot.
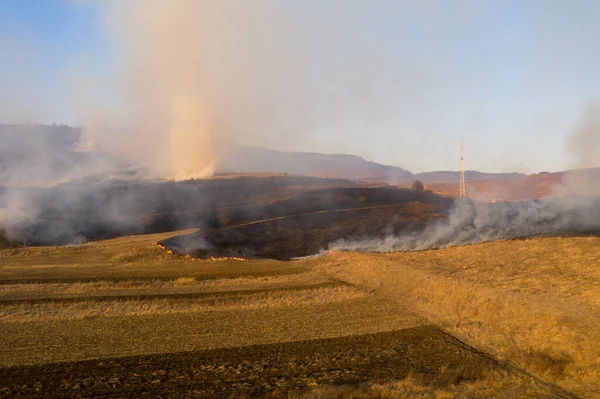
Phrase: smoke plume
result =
(161, 59)
(472, 222)
(194, 76)
(189, 77)
(583, 142)
(573, 209)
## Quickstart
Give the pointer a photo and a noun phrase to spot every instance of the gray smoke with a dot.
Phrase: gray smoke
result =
(40, 155)
(186, 78)
(583, 143)
(574, 208)
(472, 222)
(47, 181)
(197, 73)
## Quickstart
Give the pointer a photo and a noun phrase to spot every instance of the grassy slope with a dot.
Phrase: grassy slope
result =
(494, 296)
(534, 302)
(126, 258)
(128, 296)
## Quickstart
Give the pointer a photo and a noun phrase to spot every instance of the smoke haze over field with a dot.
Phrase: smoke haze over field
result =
(472, 222)
(182, 80)
(197, 75)
(384, 80)
(575, 208)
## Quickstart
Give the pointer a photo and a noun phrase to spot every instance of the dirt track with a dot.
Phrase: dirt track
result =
(353, 209)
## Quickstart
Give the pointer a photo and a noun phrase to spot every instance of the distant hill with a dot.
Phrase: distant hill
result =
(49, 154)
(470, 175)
(535, 186)
(260, 160)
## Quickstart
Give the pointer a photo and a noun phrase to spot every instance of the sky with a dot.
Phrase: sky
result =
(397, 82)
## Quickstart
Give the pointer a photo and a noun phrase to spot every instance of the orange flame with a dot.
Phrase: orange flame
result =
(187, 256)
(170, 252)
(226, 258)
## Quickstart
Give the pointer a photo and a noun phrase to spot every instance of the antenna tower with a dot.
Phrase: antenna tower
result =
(462, 191)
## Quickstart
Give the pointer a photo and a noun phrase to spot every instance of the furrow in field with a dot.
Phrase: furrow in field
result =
(182, 285)
(167, 296)
(31, 312)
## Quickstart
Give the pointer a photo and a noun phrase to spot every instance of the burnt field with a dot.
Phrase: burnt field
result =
(383, 219)
(310, 222)
(281, 217)
(88, 210)
(228, 210)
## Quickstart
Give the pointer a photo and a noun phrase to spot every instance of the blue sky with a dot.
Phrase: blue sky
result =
(510, 78)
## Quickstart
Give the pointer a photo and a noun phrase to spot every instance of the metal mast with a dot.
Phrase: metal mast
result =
(462, 191)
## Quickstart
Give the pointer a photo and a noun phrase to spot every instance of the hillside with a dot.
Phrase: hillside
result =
(251, 159)
(532, 302)
(124, 318)
(470, 175)
(90, 209)
(541, 185)
(51, 154)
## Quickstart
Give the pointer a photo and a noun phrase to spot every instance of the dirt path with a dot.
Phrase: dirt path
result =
(307, 214)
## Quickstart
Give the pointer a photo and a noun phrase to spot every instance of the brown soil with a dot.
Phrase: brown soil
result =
(261, 371)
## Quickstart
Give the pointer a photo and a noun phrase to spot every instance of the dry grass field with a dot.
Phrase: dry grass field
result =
(535, 303)
(124, 317)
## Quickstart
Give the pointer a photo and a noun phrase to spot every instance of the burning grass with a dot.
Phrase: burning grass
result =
(122, 259)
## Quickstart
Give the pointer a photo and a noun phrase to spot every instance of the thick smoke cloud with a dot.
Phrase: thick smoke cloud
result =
(582, 145)
(196, 75)
(188, 74)
(51, 188)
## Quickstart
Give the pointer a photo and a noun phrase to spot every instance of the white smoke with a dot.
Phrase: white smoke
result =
(192, 76)
(472, 222)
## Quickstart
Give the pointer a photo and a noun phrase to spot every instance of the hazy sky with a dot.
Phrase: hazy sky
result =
(396, 82)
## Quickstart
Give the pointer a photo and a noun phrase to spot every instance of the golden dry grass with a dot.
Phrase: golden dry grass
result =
(181, 285)
(49, 341)
(489, 384)
(28, 312)
(58, 318)
(122, 259)
(533, 302)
